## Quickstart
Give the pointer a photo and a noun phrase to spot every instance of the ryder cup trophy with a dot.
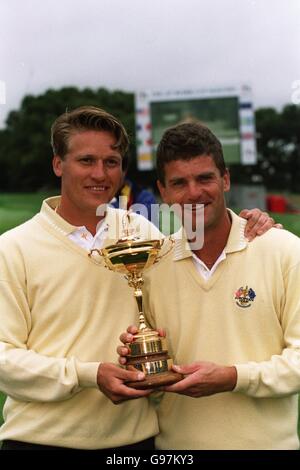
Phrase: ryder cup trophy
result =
(130, 256)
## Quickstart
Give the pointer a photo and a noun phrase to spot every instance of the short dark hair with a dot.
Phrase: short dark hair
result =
(186, 141)
(87, 118)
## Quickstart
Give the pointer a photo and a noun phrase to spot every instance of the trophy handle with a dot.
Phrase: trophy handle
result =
(100, 253)
(162, 242)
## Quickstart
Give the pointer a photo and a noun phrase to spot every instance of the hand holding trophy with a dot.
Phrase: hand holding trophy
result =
(130, 256)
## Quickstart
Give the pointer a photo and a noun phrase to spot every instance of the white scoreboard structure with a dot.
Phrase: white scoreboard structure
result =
(227, 111)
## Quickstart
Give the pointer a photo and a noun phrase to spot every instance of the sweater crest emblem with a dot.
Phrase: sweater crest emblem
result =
(244, 296)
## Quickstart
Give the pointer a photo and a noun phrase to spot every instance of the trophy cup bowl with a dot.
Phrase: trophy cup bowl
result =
(131, 256)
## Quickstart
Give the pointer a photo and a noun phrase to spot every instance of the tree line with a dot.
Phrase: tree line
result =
(25, 151)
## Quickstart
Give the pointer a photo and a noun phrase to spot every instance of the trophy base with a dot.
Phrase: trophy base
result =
(149, 355)
(156, 380)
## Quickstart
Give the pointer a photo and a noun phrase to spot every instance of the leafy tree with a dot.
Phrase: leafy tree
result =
(279, 147)
(25, 151)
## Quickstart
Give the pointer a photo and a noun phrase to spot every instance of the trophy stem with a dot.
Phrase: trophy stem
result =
(139, 300)
(136, 281)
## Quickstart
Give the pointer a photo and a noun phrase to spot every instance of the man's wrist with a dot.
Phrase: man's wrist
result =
(231, 378)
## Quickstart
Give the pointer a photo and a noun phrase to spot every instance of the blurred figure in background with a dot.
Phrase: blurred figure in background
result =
(134, 194)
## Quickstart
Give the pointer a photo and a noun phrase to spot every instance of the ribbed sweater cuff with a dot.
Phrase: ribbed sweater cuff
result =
(243, 378)
(87, 373)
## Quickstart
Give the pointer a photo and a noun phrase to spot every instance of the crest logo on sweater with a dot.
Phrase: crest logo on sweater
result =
(244, 296)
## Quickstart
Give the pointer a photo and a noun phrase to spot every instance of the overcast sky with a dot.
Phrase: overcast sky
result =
(149, 44)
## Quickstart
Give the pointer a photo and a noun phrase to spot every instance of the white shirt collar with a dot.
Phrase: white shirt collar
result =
(201, 267)
(236, 240)
(82, 237)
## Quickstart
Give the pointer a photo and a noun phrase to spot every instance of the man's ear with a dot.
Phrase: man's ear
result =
(226, 181)
(57, 165)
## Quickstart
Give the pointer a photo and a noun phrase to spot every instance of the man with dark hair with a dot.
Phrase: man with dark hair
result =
(185, 142)
(233, 319)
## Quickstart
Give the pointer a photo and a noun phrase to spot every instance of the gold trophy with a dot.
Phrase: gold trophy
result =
(131, 256)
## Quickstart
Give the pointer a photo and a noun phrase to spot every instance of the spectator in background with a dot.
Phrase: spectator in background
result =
(134, 194)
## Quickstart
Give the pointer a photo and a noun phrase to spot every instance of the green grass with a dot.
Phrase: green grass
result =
(2, 399)
(290, 222)
(17, 208)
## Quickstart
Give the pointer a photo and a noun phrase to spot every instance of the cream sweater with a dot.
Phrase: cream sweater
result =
(60, 315)
(247, 314)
